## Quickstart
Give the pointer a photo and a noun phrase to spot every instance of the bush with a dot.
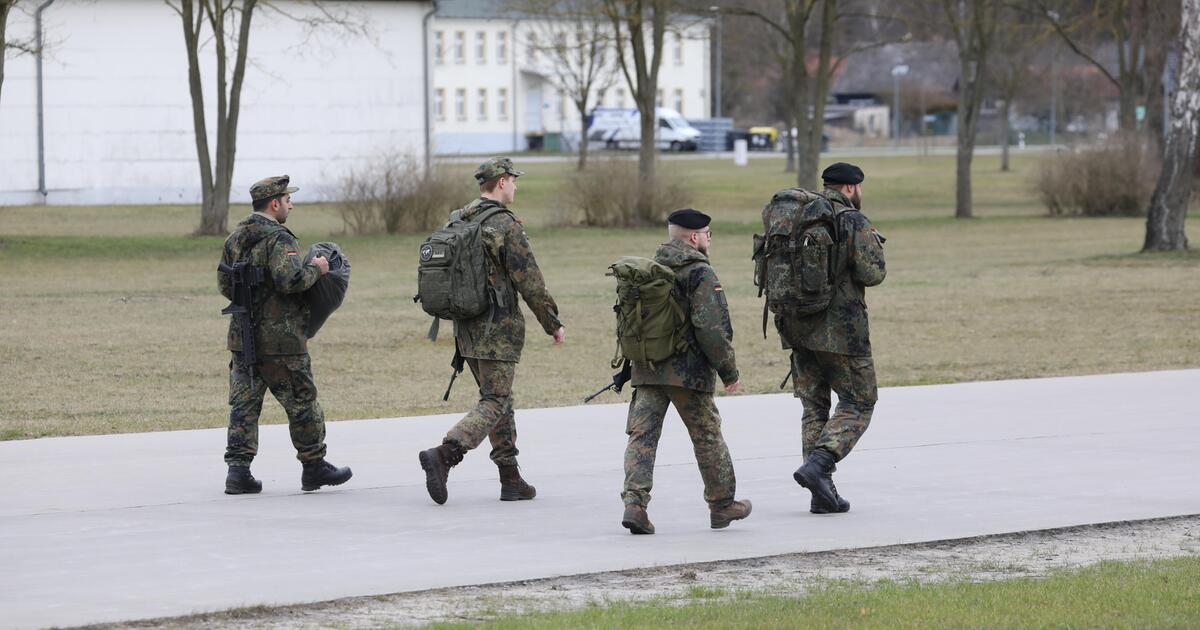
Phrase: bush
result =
(392, 194)
(605, 194)
(1112, 179)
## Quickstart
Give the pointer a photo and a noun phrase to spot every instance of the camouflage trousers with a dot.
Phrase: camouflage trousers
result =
(814, 374)
(644, 427)
(492, 416)
(289, 377)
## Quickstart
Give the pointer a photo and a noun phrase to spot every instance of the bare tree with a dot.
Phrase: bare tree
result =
(807, 84)
(228, 26)
(1169, 204)
(577, 39)
(1137, 31)
(1019, 39)
(7, 46)
(973, 26)
(633, 22)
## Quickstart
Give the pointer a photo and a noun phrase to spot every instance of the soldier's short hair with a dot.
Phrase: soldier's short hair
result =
(261, 204)
(490, 184)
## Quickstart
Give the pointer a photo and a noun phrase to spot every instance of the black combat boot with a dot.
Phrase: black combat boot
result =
(819, 507)
(437, 463)
(240, 481)
(735, 511)
(817, 475)
(636, 521)
(513, 487)
(322, 473)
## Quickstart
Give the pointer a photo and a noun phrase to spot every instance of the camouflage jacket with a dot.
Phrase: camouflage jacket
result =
(710, 338)
(281, 311)
(499, 335)
(842, 327)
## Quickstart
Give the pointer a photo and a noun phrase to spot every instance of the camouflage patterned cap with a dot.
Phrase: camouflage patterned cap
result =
(271, 187)
(495, 167)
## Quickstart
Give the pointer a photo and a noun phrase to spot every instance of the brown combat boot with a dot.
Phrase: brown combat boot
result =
(636, 521)
(513, 487)
(437, 463)
(735, 511)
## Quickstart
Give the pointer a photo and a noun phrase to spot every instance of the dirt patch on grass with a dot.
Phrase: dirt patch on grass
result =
(987, 558)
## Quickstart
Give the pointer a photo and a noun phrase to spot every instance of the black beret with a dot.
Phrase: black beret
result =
(689, 218)
(842, 173)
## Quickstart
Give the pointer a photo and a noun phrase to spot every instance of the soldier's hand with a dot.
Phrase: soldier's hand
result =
(734, 386)
(321, 264)
(560, 336)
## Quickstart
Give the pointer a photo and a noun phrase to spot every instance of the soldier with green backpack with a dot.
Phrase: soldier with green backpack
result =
(817, 254)
(673, 327)
(473, 271)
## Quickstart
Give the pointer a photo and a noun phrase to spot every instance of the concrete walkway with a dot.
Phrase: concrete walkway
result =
(123, 527)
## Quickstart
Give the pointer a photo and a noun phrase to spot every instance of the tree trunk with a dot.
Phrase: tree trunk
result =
(1006, 130)
(583, 139)
(814, 111)
(193, 19)
(647, 156)
(790, 144)
(5, 6)
(1169, 204)
(969, 101)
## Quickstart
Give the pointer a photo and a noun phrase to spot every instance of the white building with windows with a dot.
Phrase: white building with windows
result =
(117, 115)
(494, 87)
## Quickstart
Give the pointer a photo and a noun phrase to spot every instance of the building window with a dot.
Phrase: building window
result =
(502, 103)
(531, 48)
(460, 47)
(439, 103)
(678, 49)
(658, 99)
(502, 47)
(482, 104)
(460, 103)
(439, 47)
(481, 47)
(620, 100)
(679, 100)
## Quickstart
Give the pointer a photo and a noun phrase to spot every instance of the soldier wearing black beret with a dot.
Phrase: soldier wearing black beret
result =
(831, 349)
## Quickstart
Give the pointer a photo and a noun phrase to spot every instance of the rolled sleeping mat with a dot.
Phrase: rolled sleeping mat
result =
(326, 294)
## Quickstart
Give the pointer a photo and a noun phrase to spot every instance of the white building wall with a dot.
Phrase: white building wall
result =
(535, 105)
(118, 113)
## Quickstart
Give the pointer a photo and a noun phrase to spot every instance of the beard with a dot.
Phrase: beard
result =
(856, 201)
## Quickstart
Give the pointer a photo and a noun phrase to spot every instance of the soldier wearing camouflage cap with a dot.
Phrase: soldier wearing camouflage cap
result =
(686, 380)
(491, 343)
(283, 364)
(831, 349)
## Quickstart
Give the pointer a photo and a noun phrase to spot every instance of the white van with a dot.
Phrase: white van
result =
(619, 128)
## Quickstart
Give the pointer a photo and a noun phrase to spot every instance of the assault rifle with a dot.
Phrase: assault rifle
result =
(246, 279)
(618, 381)
(457, 364)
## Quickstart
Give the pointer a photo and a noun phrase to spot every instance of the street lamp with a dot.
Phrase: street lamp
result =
(899, 70)
(717, 66)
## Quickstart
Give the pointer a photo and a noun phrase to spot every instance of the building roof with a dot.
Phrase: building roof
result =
(476, 9)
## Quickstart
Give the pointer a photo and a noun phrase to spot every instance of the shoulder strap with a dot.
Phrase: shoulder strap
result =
(489, 213)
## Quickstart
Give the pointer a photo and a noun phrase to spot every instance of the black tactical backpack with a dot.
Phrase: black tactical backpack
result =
(796, 259)
(651, 323)
(452, 275)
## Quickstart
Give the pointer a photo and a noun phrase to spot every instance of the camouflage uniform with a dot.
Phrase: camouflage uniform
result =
(685, 380)
(832, 349)
(492, 342)
(282, 345)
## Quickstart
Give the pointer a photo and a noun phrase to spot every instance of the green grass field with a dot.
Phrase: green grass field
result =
(1161, 594)
(111, 315)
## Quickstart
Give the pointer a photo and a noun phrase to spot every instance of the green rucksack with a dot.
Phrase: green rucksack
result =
(651, 323)
(452, 275)
(796, 258)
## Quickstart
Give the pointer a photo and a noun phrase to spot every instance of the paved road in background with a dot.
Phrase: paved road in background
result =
(833, 154)
(109, 528)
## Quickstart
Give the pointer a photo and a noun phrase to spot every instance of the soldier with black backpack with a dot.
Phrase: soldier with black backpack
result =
(673, 326)
(813, 262)
(472, 271)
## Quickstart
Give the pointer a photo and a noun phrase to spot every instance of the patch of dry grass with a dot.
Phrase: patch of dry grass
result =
(110, 315)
